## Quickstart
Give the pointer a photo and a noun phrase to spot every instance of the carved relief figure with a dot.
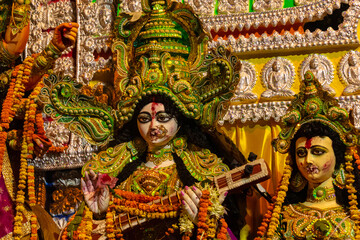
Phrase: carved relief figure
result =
(278, 77)
(106, 17)
(322, 68)
(204, 7)
(317, 198)
(246, 83)
(266, 5)
(131, 6)
(231, 6)
(349, 70)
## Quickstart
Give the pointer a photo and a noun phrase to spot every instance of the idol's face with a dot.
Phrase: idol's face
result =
(156, 126)
(314, 63)
(276, 66)
(315, 158)
(352, 60)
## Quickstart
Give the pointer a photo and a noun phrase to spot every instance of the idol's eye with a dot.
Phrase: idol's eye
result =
(317, 151)
(301, 152)
(163, 117)
(144, 117)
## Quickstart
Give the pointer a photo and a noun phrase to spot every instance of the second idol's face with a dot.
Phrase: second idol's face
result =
(156, 126)
(315, 158)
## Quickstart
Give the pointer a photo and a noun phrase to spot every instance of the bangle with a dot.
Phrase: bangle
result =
(47, 57)
(21, 17)
(6, 58)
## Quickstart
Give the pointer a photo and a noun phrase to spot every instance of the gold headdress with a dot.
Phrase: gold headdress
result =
(315, 104)
(162, 53)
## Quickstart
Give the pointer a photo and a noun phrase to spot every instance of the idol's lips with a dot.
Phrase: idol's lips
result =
(312, 169)
(157, 132)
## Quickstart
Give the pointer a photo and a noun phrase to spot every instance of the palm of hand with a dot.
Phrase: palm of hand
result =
(97, 198)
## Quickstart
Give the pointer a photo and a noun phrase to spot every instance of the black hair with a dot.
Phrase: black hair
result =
(188, 127)
(309, 130)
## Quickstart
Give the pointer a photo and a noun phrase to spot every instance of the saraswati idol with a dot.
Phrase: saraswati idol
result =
(166, 150)
(318, 197)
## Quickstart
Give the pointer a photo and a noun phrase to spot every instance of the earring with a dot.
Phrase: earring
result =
(297, 182)
(339, 177)
(140, 144)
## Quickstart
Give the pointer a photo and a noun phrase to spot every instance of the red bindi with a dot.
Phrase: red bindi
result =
(153, 111)
(308, 143)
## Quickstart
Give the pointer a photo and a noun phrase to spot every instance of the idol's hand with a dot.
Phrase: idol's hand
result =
(41, 145)
(191, 198)
(96, 196)
(65, 35)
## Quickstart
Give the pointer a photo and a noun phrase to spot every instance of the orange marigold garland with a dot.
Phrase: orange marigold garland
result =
(64, 235)
(141, 198)
(12, 103)
(350, 179)
(20, 196)
(80, 224)
(202, 215)
(33, 225)
(210, 211)
(262, 229)
(19, 77)
(6, 113)
(110, 228)
(223, 230)
(143, 206)
(357, 158)
(27, 147)
(272, 217)
(32, 201)
(85, 226)
(41, 194)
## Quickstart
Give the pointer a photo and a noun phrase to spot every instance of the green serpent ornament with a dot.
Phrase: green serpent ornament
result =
(82, 114)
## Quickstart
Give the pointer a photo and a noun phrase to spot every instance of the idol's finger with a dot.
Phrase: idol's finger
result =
(70, 34)
(87, 178)
(222, 197)
(192, 195)
(83, 186)
(188, 210)
(89, 184)
(74, 30)
(197, 191)
(93, 175)
(190, 203)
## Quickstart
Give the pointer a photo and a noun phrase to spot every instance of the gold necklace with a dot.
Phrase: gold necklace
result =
(322, 194)
(159, 156)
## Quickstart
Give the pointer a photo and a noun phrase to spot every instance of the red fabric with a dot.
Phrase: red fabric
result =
(6, 210)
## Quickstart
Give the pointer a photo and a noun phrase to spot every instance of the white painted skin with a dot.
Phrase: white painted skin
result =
(156, 126)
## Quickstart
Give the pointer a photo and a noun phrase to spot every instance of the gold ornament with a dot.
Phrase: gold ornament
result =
(297, 182)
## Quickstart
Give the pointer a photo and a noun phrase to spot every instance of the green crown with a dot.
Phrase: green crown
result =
(163, 52)
(314, 104)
